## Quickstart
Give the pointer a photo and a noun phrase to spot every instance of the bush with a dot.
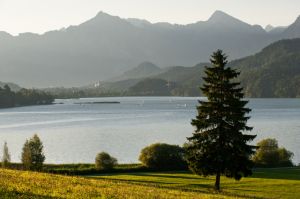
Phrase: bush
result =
(32, 155)
(104, 161)
(163, 156)
(270, 155)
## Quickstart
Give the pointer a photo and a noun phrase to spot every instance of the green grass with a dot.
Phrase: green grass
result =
(265, 183)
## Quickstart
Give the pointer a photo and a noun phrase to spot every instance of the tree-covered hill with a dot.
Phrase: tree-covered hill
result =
(273, 72)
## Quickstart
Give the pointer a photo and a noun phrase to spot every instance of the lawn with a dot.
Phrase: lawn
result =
(265, 183)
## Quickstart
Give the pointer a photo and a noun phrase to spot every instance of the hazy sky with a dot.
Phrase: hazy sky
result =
(41, 15)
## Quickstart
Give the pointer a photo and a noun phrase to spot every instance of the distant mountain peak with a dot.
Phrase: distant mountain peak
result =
(219, 15)
(102, 17)
(102, 14)
(147, 64)
(144, 69)
(5, 34)
(297, 21)
(275, 30)
(293, 31)
(138, 22)
(269, 27)
(225, 21)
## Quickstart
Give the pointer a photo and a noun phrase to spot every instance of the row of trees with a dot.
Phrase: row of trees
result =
(158, 156)
(23, 97)
(67, 93)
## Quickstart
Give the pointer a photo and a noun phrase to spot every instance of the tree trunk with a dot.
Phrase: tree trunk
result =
(217, 184)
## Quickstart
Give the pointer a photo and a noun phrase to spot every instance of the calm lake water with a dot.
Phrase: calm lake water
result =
(74, 133)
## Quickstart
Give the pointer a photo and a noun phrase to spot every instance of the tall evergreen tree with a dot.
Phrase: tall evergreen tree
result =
(218, 145)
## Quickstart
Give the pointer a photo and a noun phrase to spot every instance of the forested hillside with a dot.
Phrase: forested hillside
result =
(273, 72)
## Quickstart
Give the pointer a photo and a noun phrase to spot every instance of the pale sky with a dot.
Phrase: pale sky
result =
(39, 16)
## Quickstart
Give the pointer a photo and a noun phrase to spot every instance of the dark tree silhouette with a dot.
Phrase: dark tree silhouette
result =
(23, 97)
(218, 145)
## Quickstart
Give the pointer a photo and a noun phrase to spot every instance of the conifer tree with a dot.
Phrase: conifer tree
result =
(6, 156)
(218, 145)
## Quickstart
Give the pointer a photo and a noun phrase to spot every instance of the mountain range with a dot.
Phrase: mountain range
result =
(106, 46)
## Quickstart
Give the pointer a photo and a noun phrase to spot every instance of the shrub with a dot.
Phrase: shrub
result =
(6, 156)
(163, 156)
(104, 161)
(269, 154)
(32, 155)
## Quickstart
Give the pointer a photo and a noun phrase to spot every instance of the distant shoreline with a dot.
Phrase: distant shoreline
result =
(19, 106)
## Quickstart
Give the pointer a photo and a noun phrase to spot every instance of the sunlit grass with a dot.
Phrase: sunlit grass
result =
(265, 183)
(21, 184)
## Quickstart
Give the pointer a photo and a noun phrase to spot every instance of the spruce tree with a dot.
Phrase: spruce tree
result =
(218, 145)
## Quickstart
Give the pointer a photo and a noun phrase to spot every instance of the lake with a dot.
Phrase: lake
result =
(74, 132)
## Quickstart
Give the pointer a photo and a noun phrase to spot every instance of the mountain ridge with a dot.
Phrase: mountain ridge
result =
(106, 46)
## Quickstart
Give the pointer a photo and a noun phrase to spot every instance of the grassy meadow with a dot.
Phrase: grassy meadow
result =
(265, 183)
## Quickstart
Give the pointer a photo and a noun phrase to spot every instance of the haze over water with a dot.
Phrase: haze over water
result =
(74, 133)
